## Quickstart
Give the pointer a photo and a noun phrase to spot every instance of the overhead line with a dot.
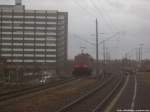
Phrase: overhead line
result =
(98, 16)
(91, 12)
(86, 10)
(100, 13)
(109, 38)
(93, 44)
(110, 19)
(83, 8)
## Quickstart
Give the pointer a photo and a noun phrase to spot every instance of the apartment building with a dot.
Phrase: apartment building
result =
(30, 38)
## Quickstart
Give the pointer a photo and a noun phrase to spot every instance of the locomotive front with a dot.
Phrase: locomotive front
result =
(83, 65)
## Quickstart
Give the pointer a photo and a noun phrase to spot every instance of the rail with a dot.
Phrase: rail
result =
(25, 91)
(103, 103)
(80, 99)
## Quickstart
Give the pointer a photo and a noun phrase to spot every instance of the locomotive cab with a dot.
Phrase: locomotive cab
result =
(83, 65)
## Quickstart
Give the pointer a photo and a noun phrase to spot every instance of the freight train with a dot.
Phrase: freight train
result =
(83, 65)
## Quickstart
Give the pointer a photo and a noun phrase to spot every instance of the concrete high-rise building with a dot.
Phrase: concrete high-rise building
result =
(30, 38)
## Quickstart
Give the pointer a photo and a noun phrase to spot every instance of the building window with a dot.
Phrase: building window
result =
(17, 55)
(29, 44)
(5, 49)
(17, 49)
(17, 60)
(40, 55)
(50, 55)
(28, 49)
(50, 50)
(51, 61)
(39, 44)
(6, 54)
(6, 43)
(29, 55)
(40, 60)
(17, 43)
(28, 60)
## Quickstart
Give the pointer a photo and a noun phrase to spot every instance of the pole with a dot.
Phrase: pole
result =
(141, 51)
(104, 51)
(139, 55)
(136, 53)
(107, 55)
(97, 71)
(104, 56)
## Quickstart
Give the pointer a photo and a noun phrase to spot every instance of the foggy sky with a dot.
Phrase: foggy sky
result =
(130, 18)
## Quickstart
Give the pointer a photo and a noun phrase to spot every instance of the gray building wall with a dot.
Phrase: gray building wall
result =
(12, 7)
(33, 37)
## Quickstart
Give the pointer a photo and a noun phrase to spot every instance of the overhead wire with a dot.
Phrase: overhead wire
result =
(99, 18)
(93, 44)
(90, 44)
(88, 12)
(101, 14)
(111, 26)
(92, 11)
(109, 17)
(109, 38)
(80, 38)
(83, 8)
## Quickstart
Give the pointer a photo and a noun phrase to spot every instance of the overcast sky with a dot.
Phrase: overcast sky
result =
(127, 20)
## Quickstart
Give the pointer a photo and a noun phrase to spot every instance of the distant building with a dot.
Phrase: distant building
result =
(30, 38)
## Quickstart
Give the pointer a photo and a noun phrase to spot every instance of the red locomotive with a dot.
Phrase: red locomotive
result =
(83, 65)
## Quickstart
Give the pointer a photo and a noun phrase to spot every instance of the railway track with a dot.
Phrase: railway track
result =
(101, 106)
(17, 93)
(96, 99)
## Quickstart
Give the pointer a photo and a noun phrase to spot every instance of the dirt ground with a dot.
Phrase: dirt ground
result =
(145, 76)
(143, 89)
(52, 99)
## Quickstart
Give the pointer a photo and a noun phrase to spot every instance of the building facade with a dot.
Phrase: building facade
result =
(30, 38)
